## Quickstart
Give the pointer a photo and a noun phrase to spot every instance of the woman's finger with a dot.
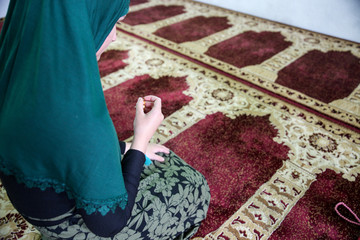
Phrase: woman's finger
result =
(163, 149)
(157, 158)
(157, 103)
(151, 98)
(140, 106)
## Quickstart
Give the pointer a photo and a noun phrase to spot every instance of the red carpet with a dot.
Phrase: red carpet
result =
(120, 99)
(335, 78)
(244, 149)
(268, 113)
(235, 155)
(303, 67)
(314, 217)
(249, 48)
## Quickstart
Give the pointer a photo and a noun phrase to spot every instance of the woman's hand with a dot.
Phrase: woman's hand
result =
(145, 124)
(153, 148)
(151, 151)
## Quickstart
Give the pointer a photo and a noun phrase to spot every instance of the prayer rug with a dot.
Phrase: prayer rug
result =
(308, 69)
(268, 113)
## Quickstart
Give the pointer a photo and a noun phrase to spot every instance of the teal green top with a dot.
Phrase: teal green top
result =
(55, 129)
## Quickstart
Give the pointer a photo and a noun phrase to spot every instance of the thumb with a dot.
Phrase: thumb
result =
(140, 106)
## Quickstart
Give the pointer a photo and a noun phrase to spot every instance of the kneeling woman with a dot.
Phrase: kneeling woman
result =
(60, 159)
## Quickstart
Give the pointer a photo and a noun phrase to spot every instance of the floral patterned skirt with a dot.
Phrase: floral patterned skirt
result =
(172, 200)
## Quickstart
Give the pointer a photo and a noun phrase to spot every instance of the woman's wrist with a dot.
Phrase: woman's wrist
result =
(140, 145)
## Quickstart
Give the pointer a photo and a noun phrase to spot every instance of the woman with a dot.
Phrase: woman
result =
(59, 153)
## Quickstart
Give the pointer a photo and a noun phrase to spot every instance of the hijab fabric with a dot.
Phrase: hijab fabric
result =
(55, 129)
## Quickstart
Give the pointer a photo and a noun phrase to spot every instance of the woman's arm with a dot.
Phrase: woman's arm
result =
(113, 222)
(145, 125)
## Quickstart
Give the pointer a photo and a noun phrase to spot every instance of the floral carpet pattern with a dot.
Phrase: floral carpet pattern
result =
(268, 113)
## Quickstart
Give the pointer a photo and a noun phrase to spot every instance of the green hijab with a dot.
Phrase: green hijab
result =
(55, 129)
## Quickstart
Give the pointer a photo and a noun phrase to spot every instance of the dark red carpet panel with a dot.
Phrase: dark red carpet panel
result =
(122, 99)
(235, 155)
